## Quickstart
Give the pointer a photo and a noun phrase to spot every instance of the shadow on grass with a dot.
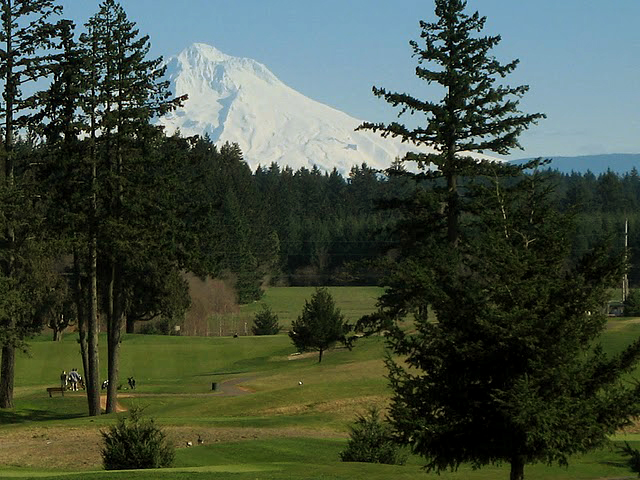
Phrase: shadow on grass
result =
(34, 415)
(235, 372)
(620, 464)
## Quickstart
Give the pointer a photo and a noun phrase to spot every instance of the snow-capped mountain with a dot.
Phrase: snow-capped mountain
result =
(239, 100)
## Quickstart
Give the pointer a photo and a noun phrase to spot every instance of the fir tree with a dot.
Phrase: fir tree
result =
(265, 322)
(320, 326)
(123, 91)
(511, 371)
(69, 178)
(473, 116)
(27, 53)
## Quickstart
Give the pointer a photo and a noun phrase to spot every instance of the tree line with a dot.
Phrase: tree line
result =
(331, 228)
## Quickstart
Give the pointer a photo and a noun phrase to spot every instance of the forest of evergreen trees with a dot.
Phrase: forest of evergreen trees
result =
(277, 226)
(330, 229)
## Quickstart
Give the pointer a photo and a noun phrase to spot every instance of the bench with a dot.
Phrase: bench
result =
(51, 390)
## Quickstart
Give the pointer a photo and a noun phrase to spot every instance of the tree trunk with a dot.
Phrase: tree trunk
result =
(114, 336)
(7, 372)
(93, 373)
(79, 296)
(320, 356)
(517, 468)
(453, 208)
(8, 365)
(57, 335)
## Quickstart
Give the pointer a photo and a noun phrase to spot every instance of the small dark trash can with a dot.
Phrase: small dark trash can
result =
(214, 386)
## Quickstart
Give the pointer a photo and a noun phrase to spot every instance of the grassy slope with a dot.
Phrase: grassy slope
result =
(315, 416)
(287, 302)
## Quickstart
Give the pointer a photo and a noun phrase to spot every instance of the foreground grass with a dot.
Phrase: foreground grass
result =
(318, 459)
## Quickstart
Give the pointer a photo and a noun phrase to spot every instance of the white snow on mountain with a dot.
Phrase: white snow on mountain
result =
(239, 100)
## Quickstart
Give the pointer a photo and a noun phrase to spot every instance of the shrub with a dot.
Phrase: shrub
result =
(134, 443)
(161, 326)
(371, 441)
(265, 322)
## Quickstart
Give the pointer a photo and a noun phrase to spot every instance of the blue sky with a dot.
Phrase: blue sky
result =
(581, 58)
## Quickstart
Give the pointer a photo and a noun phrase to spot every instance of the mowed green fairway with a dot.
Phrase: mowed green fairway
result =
(267, 426)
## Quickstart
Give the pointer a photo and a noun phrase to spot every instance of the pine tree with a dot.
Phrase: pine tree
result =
(69, 178)
(320, 326)
(511, 371)
(265, 322)
(473, 116)
(27, 53)
(123, 91)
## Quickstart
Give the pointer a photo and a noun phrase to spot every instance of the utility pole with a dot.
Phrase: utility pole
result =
(625, 278)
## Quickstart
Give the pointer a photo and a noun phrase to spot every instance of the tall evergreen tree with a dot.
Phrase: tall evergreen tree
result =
(473, 116)
(125, 90)
(69, 177)
(27, 53)
(512, 371)
(513, 357)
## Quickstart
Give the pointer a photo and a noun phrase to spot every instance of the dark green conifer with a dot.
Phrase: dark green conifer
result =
(320, 326)
(474, 115)
(27, 53)
(511, 371)
(124, 90)
(265, 322)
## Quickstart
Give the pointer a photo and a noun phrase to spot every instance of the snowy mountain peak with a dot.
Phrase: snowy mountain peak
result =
(218, 69)
(200, 53)
(239, 100)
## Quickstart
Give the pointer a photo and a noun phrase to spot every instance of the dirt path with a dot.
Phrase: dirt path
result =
(232, 388)
(103, 404)
(228, 388)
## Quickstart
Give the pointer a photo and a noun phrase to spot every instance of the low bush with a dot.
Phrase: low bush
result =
(135, 443)
(161, 326)
(265, 322)
(371, 441)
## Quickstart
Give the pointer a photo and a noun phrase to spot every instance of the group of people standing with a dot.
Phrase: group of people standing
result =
(71, 380)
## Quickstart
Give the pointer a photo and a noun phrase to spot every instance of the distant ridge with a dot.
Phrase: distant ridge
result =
(619, 163)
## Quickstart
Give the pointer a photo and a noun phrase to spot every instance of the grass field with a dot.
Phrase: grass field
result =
(287, 303)
(259, 423)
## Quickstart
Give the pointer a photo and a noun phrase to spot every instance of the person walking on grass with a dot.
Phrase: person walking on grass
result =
(63, 380)
(74, 377)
